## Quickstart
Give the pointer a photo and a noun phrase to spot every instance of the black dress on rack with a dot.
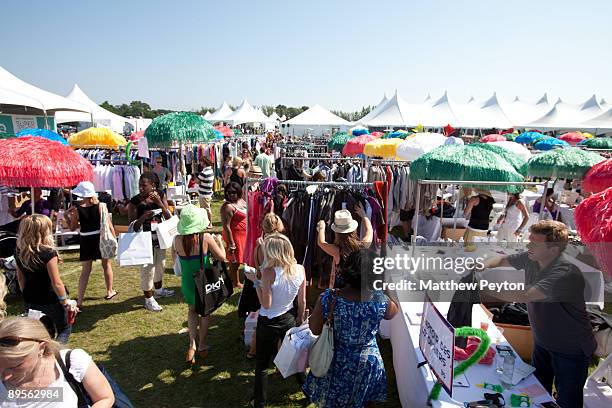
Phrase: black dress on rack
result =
(89, 221)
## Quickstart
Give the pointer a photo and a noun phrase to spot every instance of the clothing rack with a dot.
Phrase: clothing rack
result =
(384, 161)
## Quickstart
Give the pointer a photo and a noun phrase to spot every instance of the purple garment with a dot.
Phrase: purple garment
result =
(377, 217)
(268, 185)
(41, 207)
(537, 207)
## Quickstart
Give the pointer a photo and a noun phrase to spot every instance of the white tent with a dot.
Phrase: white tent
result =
(439, 114)
(49, 102)
(521, 112)
(567, 116)
(397, 112)
(220, 114)
(604, 104)
(207, 115)
(274, 117)
(101, 117)
(602, 121)
(13, 102)
(245, 113)
(373, 112)
(316, 119)
(488, 114)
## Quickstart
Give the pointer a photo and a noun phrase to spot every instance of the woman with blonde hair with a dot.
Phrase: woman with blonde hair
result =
(38, 273)
(235, 173)
(30, 360)
(282, 280)
(86, 215)
(3, 292)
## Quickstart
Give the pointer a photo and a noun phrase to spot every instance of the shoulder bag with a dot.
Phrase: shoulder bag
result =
(108, 242)
(212, 282)
(322, 351)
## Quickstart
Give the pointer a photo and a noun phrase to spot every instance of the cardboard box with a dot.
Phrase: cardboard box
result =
(454, 234)
(519, 337)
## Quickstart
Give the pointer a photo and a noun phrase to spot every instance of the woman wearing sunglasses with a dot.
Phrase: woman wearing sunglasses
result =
(29, 362)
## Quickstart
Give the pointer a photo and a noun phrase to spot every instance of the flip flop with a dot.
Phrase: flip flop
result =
(111, 296)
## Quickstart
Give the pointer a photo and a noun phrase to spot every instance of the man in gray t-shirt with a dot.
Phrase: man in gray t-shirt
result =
(563, 339)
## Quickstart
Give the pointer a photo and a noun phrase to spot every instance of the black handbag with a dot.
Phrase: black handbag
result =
(213, 284)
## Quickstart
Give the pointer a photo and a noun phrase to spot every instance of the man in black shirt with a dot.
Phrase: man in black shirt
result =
(563, 339)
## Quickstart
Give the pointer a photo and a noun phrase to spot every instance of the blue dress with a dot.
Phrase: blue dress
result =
(357, 372)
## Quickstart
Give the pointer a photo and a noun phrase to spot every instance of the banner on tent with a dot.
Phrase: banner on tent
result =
(21, 122)
(437, 343)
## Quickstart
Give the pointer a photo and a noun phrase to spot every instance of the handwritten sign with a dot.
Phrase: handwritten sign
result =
(24, 122)
(436, 341)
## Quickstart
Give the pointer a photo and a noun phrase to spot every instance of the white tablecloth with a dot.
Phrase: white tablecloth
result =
(414, 384)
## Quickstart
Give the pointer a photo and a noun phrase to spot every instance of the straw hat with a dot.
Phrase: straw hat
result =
(486, 193)
(193, 220)
(343, 222)
(85, 189)
(255, 171)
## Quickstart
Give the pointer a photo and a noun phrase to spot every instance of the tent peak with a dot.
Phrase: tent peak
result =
(543, 99)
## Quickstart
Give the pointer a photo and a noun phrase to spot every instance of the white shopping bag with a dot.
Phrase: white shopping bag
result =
(135, 248)
(166, 231)
(292, 357)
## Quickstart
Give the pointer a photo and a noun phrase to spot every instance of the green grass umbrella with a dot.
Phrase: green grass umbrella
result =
(598, 143)
(179, 127)
(516, 161)
(510, 136)
(338, 141)
(570, 163)
(464, 163)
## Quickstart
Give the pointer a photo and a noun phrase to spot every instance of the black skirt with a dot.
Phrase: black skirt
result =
(90, 247)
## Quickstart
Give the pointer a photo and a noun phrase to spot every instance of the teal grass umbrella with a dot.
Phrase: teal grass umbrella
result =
(570, 163)
(464, 163)
(516, 161)
(338, 140)
(179, 127)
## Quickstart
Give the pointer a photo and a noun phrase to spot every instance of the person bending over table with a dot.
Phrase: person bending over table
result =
(563, 340)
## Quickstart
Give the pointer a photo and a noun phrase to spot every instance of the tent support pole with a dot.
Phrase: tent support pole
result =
(32, 203)
(416, 213)
(46, 120)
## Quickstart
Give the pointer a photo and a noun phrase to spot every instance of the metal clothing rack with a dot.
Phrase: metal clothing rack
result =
(385, 161)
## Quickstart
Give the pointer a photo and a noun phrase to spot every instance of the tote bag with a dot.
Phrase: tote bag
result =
(166, 231)
(322, 351)
(292, 357)
(135, 248)
(108, 242)
(213, 284)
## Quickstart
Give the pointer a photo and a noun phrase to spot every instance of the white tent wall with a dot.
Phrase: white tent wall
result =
(315, 120)
(315, 130)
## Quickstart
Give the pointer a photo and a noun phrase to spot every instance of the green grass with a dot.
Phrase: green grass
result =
(145, 352)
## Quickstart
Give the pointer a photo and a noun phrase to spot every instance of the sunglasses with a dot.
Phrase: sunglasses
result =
(14, 341)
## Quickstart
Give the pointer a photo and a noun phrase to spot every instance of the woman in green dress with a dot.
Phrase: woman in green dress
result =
(192, 223)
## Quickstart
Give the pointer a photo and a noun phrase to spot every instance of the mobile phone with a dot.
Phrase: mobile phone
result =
(501, 347)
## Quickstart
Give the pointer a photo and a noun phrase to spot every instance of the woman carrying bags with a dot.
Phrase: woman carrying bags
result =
(87, 215)
(194, 249)
(282, 280)
(146, 208)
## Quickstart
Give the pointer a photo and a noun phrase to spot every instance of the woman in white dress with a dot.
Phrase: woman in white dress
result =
(513, 220)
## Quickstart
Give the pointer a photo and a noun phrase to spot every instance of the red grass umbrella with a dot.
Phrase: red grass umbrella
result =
(598, 178)
(377, 134)
(37, 162)
(594, 224)
(225, 130)
(572, 138)
(356, 145)
(136, 135)
(493, 137)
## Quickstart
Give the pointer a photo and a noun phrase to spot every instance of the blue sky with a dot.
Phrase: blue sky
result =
(341, 54)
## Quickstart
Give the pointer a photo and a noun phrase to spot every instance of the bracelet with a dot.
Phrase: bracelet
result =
(61, 298)
(256, 283)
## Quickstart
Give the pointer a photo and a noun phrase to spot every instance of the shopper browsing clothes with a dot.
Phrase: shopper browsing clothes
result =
(86, 216)
(146, 209)
(282, 280)
(188, 244)
(356, 376)
(563, 339)
(478, 211)
(233, 220)
(38, 274)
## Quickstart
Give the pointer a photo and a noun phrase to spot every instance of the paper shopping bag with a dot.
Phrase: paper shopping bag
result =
(166, 231)
(135, 248)
(292, 357)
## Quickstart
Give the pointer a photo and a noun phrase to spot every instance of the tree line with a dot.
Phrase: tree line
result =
(143, 109)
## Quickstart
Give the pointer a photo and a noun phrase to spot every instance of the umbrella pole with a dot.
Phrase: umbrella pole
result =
(32, 203)
(416, 213)
(46, 120)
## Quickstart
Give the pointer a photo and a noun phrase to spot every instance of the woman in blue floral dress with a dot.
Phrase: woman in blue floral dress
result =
(356, 377)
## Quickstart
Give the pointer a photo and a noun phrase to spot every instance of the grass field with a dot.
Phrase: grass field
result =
(145, 351)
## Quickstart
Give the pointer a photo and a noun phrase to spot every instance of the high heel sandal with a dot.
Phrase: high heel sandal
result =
(190, 356)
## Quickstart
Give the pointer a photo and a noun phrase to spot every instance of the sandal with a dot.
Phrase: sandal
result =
(111, 296)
